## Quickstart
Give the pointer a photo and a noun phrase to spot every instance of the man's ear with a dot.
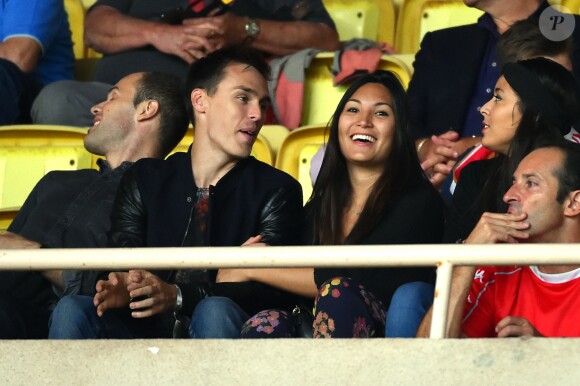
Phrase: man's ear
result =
(572, 208)
(147, 109)
(199, 100)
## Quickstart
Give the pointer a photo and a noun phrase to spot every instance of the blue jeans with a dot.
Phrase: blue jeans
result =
(408, 307)
(75, 317)
(217, 317)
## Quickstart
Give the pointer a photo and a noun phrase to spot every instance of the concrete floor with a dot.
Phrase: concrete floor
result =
(291, 362)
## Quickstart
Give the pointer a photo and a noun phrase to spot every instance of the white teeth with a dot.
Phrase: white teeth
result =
(96, 123)
(364, 138)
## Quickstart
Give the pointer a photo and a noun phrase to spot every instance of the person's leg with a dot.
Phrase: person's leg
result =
(68, 102)
(408, 307)
(17, 90)
(218, 318)
(345, 309)
(12, 323)
(75, 317)
(268, 324)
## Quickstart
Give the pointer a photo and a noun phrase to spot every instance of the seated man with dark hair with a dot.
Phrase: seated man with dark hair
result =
(216, 194)
(542, 300)
(143, 116)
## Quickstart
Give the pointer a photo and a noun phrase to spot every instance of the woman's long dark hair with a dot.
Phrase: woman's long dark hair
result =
(535, 127)
(332, 191)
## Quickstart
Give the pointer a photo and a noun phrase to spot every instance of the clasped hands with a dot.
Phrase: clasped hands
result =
(438, 155)
(143, 292)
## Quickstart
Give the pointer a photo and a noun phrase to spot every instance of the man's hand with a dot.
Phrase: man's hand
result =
(439, 147)
(439, 154)
(224, 30)
(513, 326)
(499, 228)
(188, 42)
(160, 296)
(112, 293)
(9, 240)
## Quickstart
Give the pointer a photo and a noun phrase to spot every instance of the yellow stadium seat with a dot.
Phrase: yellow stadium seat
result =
(85, 57)
(261, 150)
(368, 19)
(275, 134)
(417, 17)
(572, 5)
(297, 151)
(28, 152)
(87, 3)
(321, 96)
(6, 217)
(76, 21)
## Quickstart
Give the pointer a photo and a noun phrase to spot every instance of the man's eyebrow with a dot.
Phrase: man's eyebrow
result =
(247, 89)
(529, 175)
(250, 90)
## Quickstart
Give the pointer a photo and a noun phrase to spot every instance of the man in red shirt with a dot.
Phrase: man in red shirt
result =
(544, 300)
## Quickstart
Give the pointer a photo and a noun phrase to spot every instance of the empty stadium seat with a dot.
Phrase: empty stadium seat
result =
(297, 151)
(76, 21)
(368, 19)
(275, 134)
(261, 150)
(321, 96)
(572, 5)
(28, 152)
(417, 17)
(6, 217)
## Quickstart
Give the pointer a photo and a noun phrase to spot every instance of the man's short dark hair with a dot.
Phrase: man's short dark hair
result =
(167, 90)
(208, 72)
(525, 40)
(568, 174)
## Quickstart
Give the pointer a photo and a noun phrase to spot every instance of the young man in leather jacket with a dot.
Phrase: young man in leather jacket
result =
(213, 195)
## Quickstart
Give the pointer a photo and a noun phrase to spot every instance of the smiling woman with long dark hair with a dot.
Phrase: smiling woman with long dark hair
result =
(371, 190)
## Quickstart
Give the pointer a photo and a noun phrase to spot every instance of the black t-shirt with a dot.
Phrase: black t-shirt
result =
(113, 67)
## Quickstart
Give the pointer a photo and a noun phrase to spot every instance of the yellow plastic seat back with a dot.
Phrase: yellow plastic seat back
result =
(417, 17)
(28, 152)
(261, 150)
(296, 154)
(572, 5)
(6, 217)
(76, 21)
(275, 134)
(367, 19)
(321, 96)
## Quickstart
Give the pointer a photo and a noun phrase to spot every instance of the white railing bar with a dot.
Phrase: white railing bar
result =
(445, 256)
(441, 301)
(300, 256)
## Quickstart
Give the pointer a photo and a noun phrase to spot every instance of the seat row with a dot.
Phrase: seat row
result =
(400, 23)
(28, 152)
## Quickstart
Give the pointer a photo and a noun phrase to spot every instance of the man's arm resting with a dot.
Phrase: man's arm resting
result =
(460, 286)
(24, 52)
(284, 38)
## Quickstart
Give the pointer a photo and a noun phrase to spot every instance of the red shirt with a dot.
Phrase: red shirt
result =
(553, 308)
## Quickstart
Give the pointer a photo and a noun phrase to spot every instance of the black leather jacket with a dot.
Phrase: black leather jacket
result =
(154, 206)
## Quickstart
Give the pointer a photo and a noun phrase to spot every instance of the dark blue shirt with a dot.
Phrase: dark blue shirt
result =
(486, 80)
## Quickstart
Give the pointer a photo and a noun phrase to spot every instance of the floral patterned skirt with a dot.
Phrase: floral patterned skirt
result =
(342, 309)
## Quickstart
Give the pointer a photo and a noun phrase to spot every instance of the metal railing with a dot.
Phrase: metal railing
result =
(443, 256)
